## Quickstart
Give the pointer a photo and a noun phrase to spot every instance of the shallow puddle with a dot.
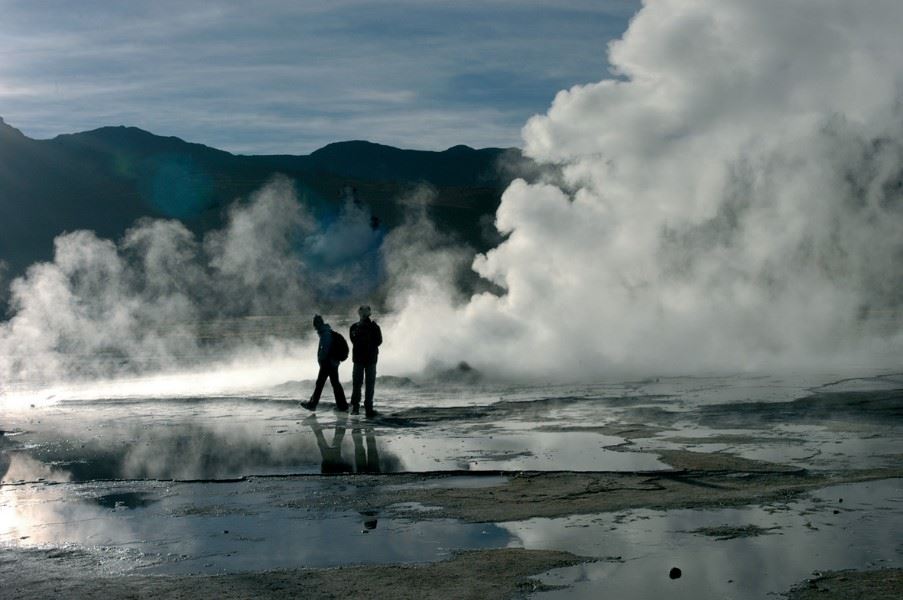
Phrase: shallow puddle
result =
(741, 554)
(174, 485)
(228, 439)
(225, 527)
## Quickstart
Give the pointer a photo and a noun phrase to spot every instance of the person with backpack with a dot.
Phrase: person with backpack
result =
(365, 337)
(333, 349)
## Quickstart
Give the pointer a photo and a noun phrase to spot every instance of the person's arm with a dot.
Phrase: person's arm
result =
(352, 333)
(323, 350)
(379, 334)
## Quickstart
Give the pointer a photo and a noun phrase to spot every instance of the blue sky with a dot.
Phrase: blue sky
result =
(289, 77)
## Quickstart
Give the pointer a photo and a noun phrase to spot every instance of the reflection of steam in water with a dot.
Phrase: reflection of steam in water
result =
(169, 451)
(201, 452)
(24, 468)
(17, 466)
(192, 451)
(367, 458)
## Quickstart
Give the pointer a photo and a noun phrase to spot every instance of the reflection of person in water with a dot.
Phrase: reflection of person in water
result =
(331, 454)
(369, 520)
(366, 459)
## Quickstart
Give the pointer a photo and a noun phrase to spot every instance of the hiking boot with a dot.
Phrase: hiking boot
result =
(341, 408)
(307, 405)
(371, 414)
(355, 409)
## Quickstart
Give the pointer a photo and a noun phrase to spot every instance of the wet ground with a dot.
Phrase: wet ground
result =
(748, 485)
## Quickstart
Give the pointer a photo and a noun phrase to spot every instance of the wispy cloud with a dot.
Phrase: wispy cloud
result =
(290, 77)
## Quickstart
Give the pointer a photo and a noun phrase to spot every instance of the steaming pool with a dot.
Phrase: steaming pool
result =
(101, 487)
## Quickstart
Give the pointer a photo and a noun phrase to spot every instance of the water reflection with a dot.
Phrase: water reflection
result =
(367, 457)
(203, 527)
(855, 526)
(431, 429)
(333, 461)
(20, 467)
(185, 451)
(4, 456)
(368, 518)
(225, 449)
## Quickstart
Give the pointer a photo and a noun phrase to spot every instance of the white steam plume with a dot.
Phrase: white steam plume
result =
(731, 200)
(255, 262)
(162, 301)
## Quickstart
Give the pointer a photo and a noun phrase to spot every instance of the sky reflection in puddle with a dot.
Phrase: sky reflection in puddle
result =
(180, 528)
(638, 548)
(153, 525)
(207, 528)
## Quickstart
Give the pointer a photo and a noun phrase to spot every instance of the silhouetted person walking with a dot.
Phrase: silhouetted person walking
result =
(365, 337)
(332, 350)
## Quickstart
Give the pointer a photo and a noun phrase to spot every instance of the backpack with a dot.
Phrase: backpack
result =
(338, 350)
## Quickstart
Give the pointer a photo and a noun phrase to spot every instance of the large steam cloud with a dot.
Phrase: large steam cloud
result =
(731, 200)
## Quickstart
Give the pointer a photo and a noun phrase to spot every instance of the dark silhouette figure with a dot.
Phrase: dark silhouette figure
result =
(366, 338)
(331, 454)
(329, 367)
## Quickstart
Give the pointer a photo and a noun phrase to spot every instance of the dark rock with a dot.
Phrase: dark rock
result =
(674, 573)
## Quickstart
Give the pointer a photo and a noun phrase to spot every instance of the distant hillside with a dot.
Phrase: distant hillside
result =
(105, 179)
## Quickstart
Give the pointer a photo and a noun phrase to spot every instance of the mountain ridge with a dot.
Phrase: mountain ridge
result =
(107, 178)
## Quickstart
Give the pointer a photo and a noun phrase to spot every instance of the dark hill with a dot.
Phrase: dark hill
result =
(457, 166)
(105, 179)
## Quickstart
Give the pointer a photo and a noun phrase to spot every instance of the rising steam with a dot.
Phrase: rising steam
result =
(731, 199)
(161, 300)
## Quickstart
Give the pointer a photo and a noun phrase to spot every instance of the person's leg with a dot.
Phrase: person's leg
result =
(372, 453)
(357, 379)
(360, 453)
(337, 389)
(370, 373)
(339, 435)
(318, 387)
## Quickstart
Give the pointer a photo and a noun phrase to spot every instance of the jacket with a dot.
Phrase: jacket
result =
(325, 333)
(365, 337)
